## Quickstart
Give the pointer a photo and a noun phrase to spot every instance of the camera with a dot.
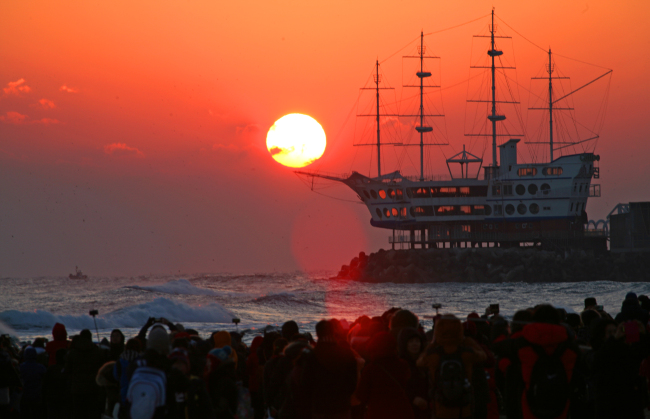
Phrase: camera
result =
(93, 312)
(236, 320)
(437, 306)
(494, 309)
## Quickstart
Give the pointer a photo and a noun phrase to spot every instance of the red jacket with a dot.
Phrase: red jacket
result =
(60, 341)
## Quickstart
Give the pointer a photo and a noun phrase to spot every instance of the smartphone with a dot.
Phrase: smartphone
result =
(494, 308)
(599, 308)
(631, 332)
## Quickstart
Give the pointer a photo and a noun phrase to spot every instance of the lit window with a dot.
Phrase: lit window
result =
(532, 189)
(391, 193)
(399, 193)
(510, 209)
(496, 190)
(387, 212)
(527, 171)
(520, 189)
(382, 194)
(464, 190)
(394, 212)
(403, 212)
(465, 209)
(552, 171)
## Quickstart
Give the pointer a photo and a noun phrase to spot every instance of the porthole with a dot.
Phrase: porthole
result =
(394, 212)
(520, 189)
(521, 209)
(545, 188)
(533, 208)
(391, 193)
(399, 194)
(365, 192)
(510, 209)
(409, 193)
(412, 211)
(387, 212)
(403, 212)
(373, 193)
(382, 194)
(488, 210)
(532, 189)
(379, 213)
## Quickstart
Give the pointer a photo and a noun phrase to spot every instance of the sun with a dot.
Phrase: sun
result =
(296, 140)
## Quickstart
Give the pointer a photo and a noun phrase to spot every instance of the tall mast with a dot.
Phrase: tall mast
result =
(494, 117)
(377, 80)
(421, 128)
(550, 101)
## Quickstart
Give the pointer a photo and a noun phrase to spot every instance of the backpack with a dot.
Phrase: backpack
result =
(146, 392)
(452, 388)
(549, 389)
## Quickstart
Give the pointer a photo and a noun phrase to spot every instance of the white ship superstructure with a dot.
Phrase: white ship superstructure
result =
(511, 203)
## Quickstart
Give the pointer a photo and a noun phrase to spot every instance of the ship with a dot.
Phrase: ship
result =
(77, 274)
(513, 203)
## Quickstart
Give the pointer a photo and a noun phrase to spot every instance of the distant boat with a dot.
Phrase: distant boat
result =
(78, 274)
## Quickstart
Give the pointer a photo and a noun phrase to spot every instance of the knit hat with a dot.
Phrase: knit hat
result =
(179, 355)
(630, 296)
(158, 340)
(222, 354)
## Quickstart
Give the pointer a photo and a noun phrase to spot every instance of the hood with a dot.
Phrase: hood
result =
(222, 339)
(256, 343)
(544, 334)
(404, 336)
(294, 349)
(59, 332)
(448, 331)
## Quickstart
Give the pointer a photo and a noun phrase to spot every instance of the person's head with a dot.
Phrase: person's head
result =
(324, 330)
(645, 302)
(222, 339)
(279, 345)
(289, 329)
(59, 332)
(448, 330)
(86, 334)
(117, 337)
(382, 345)
(180, 360)
(588, 317)
(601, 331)
(158, 340)
(590, 302)
(546, 313)
(133, 344)
(410, 343)
(573, 320)
(402, 319)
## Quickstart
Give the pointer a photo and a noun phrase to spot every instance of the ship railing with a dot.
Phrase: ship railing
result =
(433, 178)
(496, 237)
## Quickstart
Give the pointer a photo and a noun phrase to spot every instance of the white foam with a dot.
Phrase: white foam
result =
(177, 287)
(132, 316)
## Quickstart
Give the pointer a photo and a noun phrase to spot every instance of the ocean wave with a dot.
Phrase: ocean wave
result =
(177, 287)
(287, 298)
(131, 316)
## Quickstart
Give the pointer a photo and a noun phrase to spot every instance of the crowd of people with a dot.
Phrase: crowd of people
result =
(542, 363)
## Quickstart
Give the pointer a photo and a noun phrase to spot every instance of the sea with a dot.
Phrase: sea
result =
(29, 307)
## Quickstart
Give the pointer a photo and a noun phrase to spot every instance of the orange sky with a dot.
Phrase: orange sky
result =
(132, 133)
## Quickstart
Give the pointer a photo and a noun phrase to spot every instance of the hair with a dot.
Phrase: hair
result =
(279, 345)
(324, 328)
(85, 334)
(520, 319)
(133, 344)
(289, 329)
(573, 320)
(546, 313)
(588, 317)
(590, 301)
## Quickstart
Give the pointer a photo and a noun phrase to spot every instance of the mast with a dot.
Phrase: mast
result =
(421, 128)
(550, 102)
(494, 117)
(377, 80)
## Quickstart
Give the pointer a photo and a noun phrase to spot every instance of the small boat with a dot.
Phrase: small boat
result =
(78, 274)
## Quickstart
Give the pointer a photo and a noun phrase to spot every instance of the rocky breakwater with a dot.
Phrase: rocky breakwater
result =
(491, 265)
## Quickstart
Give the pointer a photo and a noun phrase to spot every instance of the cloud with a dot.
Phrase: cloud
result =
(17, 118)
(67, 89)
(121, 150)
(45, 121)
(226, 148)
(17, 87)
(45, 104)
(277, 150)
(14, 118)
